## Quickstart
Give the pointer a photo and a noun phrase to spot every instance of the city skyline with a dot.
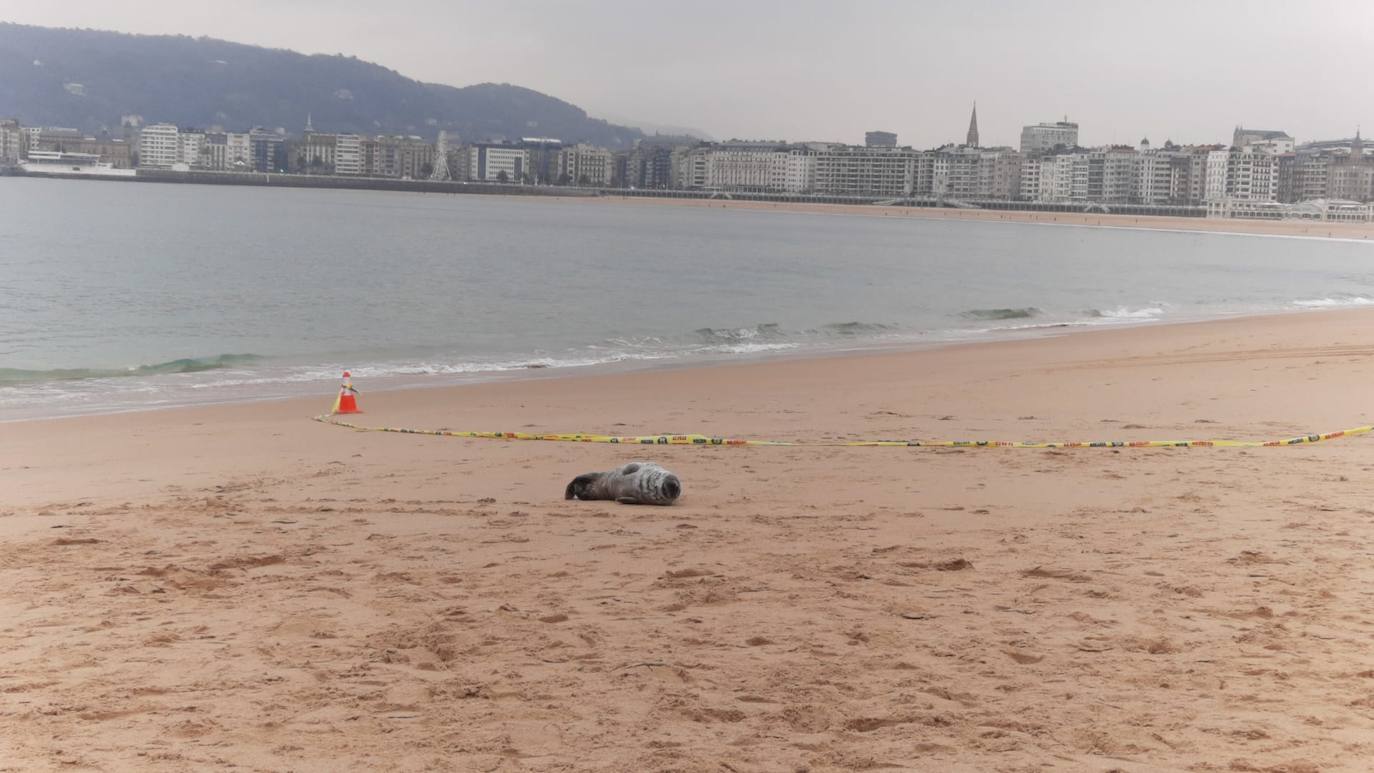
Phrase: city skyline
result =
(822, 73)
(1263, 173)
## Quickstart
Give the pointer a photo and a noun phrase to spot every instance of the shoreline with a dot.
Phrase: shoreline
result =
(1358, 232)
(239, 585)
(409, 383)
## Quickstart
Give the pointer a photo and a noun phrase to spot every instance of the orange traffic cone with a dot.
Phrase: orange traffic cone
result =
(347, 401)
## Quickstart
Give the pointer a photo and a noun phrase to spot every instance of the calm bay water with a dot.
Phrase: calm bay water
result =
(116, 296)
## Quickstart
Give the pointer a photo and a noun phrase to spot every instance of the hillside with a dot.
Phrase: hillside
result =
(88, 79)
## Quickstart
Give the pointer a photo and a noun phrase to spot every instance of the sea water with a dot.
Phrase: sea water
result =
(119, 296)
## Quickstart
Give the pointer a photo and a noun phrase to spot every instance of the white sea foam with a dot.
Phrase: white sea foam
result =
(1334, 302)
(1126, 313)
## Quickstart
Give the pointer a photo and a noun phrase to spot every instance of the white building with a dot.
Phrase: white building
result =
(1171, 175)
(1117, 175)
(190, 148)
(1044, 137)
(847, 170)
(1320, 210)
(747, 166)
(32, 134)
(1252, 176)
(1047, 178)
(348, 154)
(159, 146)
(1104, 175)
(999, 173)
(956, 172)
(1029, 187)
(1154, 177)
(793, 170)
(1217, 163)
(238, 152)
(689, 168)
(497, 163)
(742, 166)
(976, 173)
(1332, 211)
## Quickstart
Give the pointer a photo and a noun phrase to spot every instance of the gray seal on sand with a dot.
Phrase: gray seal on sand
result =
(637, 483)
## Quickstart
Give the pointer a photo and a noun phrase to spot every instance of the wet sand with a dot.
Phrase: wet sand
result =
(237, 586)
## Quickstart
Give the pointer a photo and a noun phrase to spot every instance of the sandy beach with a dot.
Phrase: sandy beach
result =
(240, 587)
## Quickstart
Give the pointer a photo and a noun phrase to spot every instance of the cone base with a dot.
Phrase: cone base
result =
(345, 404)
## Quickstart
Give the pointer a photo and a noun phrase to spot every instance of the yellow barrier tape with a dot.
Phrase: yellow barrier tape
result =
(709, 440)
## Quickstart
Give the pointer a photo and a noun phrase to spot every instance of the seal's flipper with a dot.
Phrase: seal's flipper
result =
(627, 500)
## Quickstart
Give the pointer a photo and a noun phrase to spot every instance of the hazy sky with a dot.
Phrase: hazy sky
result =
(810, 70)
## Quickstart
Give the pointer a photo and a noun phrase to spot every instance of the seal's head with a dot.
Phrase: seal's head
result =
(671, 487)
(584, 486)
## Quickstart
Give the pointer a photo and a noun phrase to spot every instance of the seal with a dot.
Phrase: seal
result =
(637, 483)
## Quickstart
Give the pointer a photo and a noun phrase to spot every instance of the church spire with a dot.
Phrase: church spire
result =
(972, 140)
(309, 127)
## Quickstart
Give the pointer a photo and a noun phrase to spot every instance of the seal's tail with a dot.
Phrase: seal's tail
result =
(579, 485)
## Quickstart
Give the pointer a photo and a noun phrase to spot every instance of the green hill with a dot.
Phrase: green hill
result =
(88, 79)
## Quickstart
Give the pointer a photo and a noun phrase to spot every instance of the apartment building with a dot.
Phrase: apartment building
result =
(1044, 137)
(159, 146)
(190, 148)
(999, 173)
(348, 155)
(872, 170)
(1252, 176)
(269, 150)
(955, 173)
(407, 157)
(12, 145)
(542, 159)
(585, 165)
(741, 166)
(648, 165)
(489, 162)
(238, 152)
(690, 166)
(1328, 169)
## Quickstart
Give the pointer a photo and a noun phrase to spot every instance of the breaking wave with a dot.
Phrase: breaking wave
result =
(762, 331)
(10, 376)
(856, 328)
(999, 314)
(1335, 301)
(1125, 313)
